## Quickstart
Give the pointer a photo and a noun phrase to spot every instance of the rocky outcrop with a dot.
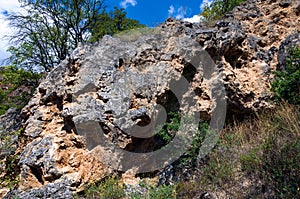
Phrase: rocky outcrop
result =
(115, 92)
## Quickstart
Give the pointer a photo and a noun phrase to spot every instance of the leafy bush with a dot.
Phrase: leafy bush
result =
(16, 87)
(176, 121)
(218, 8)
(190, 157)
(287, 83)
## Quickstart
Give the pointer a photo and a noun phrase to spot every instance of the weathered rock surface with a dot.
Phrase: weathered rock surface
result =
(117, 83)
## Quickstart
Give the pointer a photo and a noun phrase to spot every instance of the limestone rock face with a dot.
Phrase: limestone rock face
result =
(113, 88)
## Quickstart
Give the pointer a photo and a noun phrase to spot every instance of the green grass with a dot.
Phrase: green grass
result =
(110, 188)
(113, 188)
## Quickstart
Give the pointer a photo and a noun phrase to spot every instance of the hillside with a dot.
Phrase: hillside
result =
(131, 107)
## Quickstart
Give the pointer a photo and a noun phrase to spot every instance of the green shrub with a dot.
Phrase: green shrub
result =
(287, 83)
(189, 158)
(263, 151)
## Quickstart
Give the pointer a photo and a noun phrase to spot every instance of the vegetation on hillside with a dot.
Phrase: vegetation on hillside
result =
(16, 87)
(9, 158)
(113, 22)
(218, 8)
(263, 153)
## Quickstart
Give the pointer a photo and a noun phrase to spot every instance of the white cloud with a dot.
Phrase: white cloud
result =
(204, 3)
(126, 3)
(6, 6)
(194, 19)
(4, 43)
(9, 5)
(171, 11)
(181, 12)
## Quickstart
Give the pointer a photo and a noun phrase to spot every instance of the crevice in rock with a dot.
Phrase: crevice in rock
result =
(69, 98)
(73, 67)
(169, 101)
(38, 173)
(140, 145)
(143, 145)
(102, 99)
(54, 99)
(42, 91)
(232, 57)
(59, 102)
(144, 120)
(87, 89)
(189, 72)
(213, 52)
(121, 63)
(198, 91)
(71, 82)
(69, 125)
(249, 97)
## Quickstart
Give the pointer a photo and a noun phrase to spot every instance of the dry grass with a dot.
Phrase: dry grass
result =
(256, 158)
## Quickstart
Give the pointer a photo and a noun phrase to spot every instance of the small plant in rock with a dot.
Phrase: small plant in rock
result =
(168, 131)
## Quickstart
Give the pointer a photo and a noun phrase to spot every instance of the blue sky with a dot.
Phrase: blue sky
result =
(154, 12)
(148, 12)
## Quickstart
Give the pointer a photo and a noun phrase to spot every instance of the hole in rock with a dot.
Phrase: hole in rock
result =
(37, 172)
(69, 125)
